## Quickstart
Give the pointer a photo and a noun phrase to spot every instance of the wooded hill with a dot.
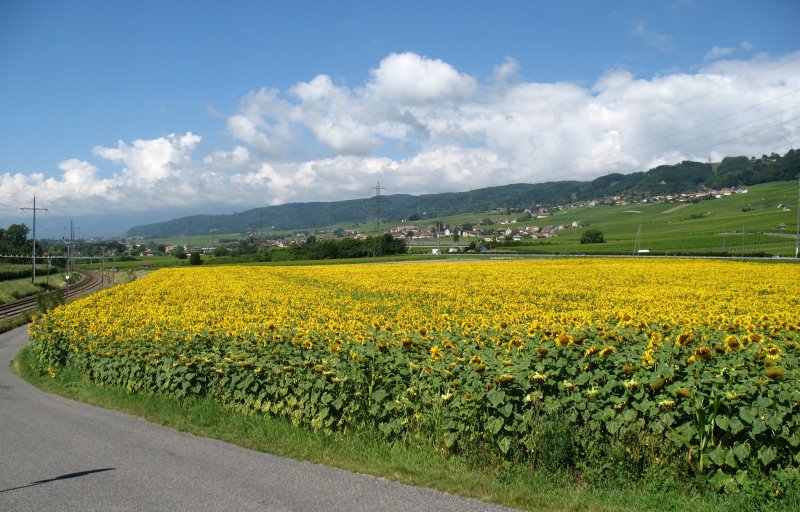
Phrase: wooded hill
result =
(686, 176)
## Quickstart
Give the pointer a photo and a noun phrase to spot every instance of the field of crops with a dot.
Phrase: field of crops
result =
(628, 367)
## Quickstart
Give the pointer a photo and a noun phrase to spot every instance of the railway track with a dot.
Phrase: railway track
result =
(90, 281)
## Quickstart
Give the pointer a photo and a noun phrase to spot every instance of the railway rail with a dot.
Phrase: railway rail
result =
(90, 281)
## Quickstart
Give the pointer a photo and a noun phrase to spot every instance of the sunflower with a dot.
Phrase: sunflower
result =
(733, 343)
(771, 351)
(666, 404)
(591, 351)
(608, 351)
(538, 377)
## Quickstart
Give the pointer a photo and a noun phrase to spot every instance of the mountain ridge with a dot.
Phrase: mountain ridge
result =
(687, 176)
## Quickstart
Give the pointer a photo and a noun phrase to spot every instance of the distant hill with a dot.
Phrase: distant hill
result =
(666, 179)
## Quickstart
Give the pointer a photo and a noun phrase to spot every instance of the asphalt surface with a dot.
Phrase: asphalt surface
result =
(57, 454)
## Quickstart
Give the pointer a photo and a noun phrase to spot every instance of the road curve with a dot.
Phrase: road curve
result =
(57, 454)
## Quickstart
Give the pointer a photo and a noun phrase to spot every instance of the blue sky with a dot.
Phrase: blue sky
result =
(139, 111)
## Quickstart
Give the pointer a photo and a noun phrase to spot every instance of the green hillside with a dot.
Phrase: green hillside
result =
(662, 180)
(753, 223)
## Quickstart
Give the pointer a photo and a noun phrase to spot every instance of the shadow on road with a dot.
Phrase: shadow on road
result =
(61, 477)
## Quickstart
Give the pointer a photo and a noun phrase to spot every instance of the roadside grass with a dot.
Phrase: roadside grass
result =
(13, 322)
(474, 475)
(15, 289)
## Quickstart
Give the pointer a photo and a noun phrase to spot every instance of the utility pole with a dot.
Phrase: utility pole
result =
(376, 249)
(69, 252)
(34, 236)
(377, 190)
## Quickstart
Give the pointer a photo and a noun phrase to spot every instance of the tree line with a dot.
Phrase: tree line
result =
(327, 249)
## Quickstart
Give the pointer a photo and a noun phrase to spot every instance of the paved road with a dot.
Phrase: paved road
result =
(56, 454)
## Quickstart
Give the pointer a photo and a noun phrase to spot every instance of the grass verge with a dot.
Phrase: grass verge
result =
(493, 481)
(13, 322)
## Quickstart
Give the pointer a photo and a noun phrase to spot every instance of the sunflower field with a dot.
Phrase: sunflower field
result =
(607, 367)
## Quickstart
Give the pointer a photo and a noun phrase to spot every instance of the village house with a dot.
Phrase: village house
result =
(405, 229)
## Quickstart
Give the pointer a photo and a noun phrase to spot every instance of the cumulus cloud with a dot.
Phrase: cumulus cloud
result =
(408, 78)
(421, 126)
(151, 161)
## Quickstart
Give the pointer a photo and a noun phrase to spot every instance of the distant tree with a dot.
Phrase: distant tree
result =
(264, 254)
(248, 245)
(15, 239)
(388, 244)
(592, 236)
(195, 259)
(221, 251)
(352, 248)
(179, 252)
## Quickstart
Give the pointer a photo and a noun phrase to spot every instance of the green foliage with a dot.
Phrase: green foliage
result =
(47, 301)
(14, 239)
(592, 236)
(179, 252)
(14, 242)
(23, 271)
(314, 249)
(474, 474)
(727, 418)
(194, 259)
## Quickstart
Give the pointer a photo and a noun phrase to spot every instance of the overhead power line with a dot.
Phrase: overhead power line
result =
(34, 209)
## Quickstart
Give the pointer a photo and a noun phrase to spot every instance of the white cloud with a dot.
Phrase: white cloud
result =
(237, 158)
(508, 71)
(655, 40)
(718, 52)
(407, 78)
(151, 161)
(420, 126)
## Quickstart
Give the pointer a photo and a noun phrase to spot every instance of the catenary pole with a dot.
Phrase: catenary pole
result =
(33, 273)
